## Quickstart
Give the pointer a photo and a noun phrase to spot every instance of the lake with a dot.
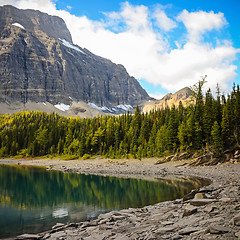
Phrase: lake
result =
(33, 199)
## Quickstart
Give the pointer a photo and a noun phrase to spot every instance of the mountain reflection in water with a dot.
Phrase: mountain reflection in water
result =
(33, 199)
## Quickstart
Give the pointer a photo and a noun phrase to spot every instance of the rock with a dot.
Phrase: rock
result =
(189, 230)
(73, 225)
(40, 63)
(189, 210)
(198, 196)
(237, 153)
(169, 99)
(237, 234)
(236, 220)
(58, 235)
(212, 220)
(184, 155)
(201, 202)
(58, 225)
(210, 209)
(117, 218)
(29, 236)
(164, 230)
(165, 223)
(218, 229)
(189, 195)
(134, 236)
(177, 201)
(188, 221)
(225, 200)
(192, 194)
(46, 236)
(121, 237)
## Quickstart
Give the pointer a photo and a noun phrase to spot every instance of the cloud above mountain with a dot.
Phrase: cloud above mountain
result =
(143, 39)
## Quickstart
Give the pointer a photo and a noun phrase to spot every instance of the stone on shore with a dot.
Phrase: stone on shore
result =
(201, 201)
(189, 210)
(237, 234)
(198, 196)
(218, 229)
(28, 236)
(236, 220)
(189, 230)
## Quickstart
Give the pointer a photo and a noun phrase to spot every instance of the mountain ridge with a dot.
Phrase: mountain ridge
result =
(169, 99)
(39, 63)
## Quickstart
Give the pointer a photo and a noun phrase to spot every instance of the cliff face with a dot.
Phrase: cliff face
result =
(168, 100)
(39, 63)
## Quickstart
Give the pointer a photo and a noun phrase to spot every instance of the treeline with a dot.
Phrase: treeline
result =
(207, 124)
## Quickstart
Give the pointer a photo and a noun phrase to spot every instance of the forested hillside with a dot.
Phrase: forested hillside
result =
(208, 123)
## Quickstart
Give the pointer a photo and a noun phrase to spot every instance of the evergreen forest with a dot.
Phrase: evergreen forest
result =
(209, 123)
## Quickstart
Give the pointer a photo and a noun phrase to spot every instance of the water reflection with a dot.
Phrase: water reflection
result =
(33, 200)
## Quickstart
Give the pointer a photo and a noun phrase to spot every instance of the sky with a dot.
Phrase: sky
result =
(166, 44)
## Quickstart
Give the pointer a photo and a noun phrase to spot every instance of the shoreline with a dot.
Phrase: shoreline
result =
(213, 214)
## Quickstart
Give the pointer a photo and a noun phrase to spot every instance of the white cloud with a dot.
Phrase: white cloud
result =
(8, 2)
(182, 67)
(43, 5)
(157, 95)
(197, 23)
(163, 21)
(128, 37)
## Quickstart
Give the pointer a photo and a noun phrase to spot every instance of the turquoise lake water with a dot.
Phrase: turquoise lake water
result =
(33, 199)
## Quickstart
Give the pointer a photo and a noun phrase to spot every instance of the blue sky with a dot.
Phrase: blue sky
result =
(94, 9)
(166, 45)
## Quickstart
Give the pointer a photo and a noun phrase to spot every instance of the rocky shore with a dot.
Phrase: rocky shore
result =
(212, 212)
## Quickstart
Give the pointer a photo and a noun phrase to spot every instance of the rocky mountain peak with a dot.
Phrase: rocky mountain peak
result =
(40, 63)
(168, 100)
(35, 21)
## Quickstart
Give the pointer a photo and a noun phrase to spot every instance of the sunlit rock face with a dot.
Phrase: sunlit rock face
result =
(40, 63)
(184, 96)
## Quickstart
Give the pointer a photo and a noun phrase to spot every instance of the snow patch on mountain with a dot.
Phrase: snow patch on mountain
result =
(63, 107)
(116, 109)
(102, 108)
(124, 107)
(69, 45)
(18, 25)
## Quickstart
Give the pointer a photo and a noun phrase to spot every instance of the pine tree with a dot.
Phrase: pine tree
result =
(173, 129)
(226, 127)
(208, 116)
(216, 138)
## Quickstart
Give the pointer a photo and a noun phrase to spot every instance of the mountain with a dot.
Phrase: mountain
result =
(40, 64)
(168, 100)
